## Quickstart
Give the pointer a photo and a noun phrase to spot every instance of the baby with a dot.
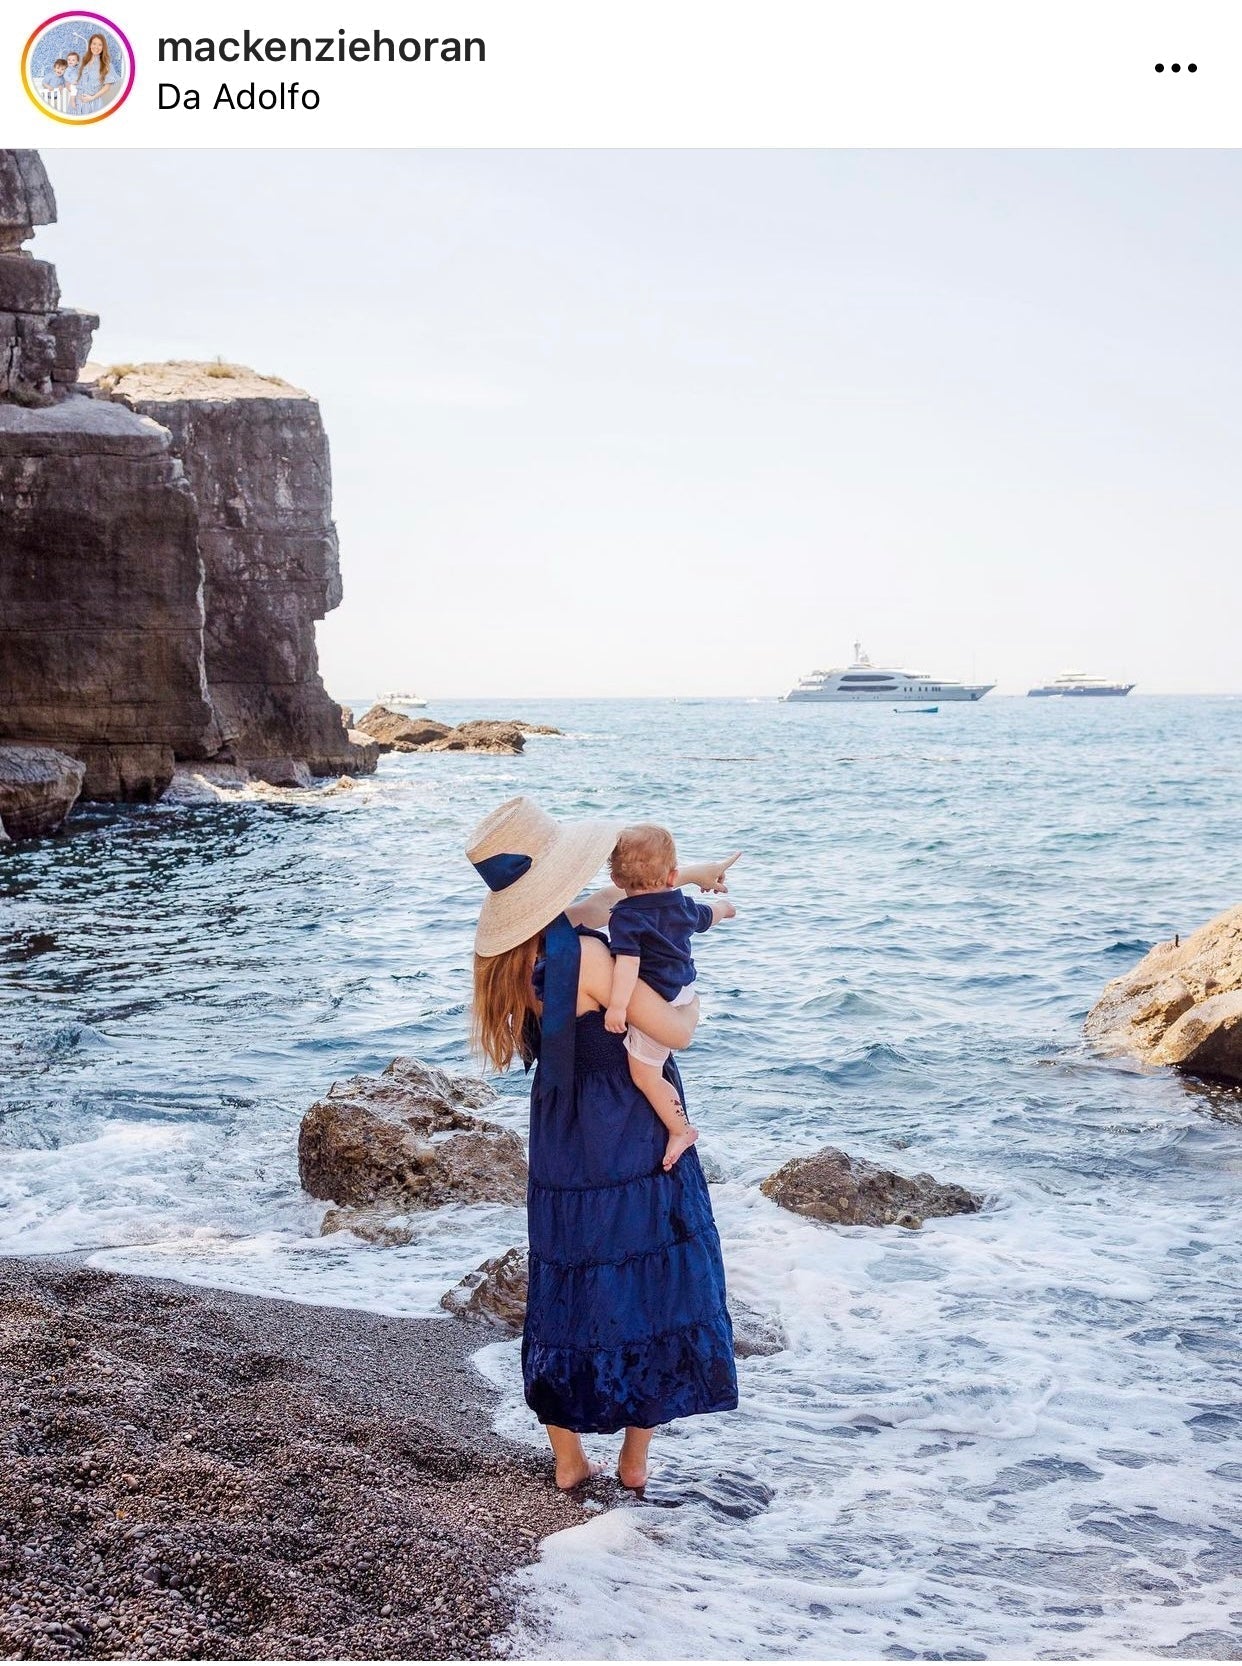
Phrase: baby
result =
(650, 931)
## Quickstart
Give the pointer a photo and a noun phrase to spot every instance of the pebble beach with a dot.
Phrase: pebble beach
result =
(203, 1475)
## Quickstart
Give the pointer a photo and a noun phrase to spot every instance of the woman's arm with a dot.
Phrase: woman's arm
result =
(669, 1025)
(595, 909)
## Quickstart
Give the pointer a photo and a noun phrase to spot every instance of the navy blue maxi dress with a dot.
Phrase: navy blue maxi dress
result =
(626, 1320)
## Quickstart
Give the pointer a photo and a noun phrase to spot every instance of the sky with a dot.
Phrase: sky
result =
(691, 423)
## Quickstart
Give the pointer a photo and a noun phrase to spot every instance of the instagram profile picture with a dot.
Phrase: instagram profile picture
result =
(78, 67)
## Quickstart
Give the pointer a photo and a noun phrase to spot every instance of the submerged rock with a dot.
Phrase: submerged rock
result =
(845, 1191)
(494, 1292)
(206, 783)
(1181, 1005)
(375, 1225)
(409, 1138)
(281, 772)
(755, 1334)
(538, 728)
(38, 788)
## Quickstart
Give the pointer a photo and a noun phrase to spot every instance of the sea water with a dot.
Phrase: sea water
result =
(1008, 1434)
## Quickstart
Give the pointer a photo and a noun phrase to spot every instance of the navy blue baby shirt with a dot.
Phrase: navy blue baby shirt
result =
(657, 927)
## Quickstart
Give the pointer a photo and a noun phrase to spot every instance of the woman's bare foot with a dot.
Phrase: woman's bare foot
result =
(677, 1143)
(574, 1473)
(632, 1462)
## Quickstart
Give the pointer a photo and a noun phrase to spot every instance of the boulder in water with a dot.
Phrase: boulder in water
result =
(845, 1191)
(398, 731)
(480, 735)
(755, 1334)
(1181, 1005)
(409, 1138)
(494, 1292)
(38, 788)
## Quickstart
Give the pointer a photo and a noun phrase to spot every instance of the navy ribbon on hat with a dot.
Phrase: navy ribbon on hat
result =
(499, 872)
(561, 957)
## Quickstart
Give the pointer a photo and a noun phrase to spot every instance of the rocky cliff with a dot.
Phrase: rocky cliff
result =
(166, 546)
(256, 457)
(101, 611)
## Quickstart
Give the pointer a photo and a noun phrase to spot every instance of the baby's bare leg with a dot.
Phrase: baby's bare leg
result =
(665, 1101)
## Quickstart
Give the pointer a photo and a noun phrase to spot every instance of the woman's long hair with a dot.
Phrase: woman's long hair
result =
(505, 1003)
(103, 54)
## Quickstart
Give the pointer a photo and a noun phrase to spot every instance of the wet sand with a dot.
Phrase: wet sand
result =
(193, 1474)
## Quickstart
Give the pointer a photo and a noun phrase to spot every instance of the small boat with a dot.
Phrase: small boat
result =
(863, 681)
(1077, 685)
(412, 702)
(916, 711)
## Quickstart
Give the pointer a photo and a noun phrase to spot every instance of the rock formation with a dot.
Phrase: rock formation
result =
(481, 735)
(1181, 1005)
(829, 1186)
(101, 616)
(396, 732)
(495, 1293)
(256, 457)
(408, 1139)
(38, 788)
(159, 580)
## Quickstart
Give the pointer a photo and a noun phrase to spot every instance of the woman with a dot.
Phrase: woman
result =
(97, 79)
(626, 1324)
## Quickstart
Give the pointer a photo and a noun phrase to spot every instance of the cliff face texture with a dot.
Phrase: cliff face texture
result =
(256, 457)
(166, 547)
(101, 612)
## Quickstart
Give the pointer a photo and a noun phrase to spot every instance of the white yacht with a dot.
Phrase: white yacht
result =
(1077, 683)
(864, 681)
(410, 702)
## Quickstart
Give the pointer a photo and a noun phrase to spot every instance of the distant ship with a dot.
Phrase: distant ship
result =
(1078, 684)
(864, 681)
(412, 702)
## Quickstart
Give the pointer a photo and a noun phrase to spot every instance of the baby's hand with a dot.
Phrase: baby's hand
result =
(718, 881)
(615, 1020)
(724, 911)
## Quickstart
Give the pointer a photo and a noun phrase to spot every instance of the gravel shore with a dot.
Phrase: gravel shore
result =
(193, 1474)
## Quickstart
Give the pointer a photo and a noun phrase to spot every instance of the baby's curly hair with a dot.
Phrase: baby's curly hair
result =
(643, 857)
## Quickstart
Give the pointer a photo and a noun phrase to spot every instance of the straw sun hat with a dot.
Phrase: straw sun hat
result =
(534, 867)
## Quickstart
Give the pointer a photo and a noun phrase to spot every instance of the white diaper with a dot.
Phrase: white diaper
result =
(642, 1047)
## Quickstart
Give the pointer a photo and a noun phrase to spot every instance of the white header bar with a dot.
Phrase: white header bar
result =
(654, 73)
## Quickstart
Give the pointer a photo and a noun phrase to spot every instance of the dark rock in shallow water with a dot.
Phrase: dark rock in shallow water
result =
(829, 1186)
(755, 1334)
(1181, 1005)
(38, 788)
(280, 772)
(397, 732)
(494, 1292)
(409, 1137)
(391, 730)
(481, 735)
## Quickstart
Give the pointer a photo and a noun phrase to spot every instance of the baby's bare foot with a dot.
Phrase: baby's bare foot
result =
(677, 1143)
